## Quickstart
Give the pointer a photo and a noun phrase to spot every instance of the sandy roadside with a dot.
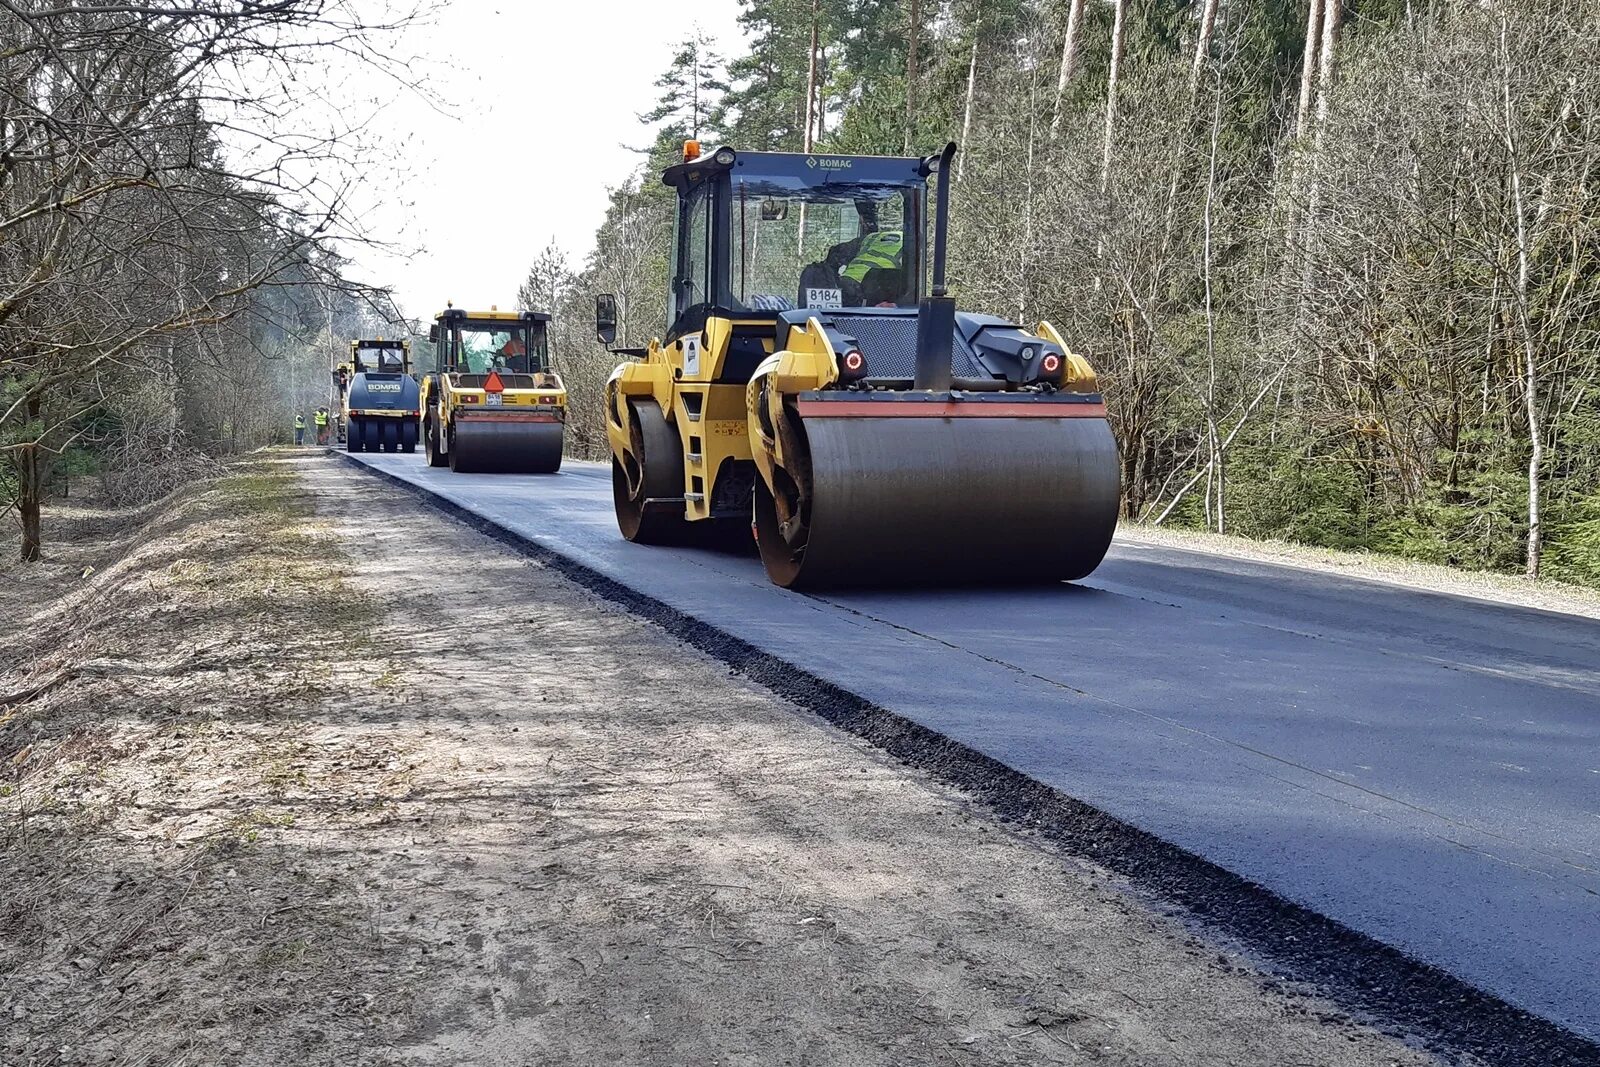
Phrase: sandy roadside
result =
(392, 793)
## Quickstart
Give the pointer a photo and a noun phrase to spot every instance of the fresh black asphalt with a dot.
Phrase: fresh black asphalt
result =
(1390, 792)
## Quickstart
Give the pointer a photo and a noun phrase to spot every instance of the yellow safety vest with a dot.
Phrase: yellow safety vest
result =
(878, 250)
(322, 420)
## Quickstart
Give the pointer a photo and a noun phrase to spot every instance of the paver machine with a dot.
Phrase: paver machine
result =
(493, 404)
(811, 384)
(381, 398)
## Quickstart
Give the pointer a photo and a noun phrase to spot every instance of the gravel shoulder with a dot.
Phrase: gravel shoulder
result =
(1493, 587)
(319, 776)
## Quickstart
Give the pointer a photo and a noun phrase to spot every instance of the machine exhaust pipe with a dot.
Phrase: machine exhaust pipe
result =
(936, 316)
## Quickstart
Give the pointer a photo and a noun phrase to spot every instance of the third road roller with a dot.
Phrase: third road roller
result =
(493, 404)
(811, 386)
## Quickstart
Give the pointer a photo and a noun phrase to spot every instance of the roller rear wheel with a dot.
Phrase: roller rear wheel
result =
(430, 436)
(647, 480)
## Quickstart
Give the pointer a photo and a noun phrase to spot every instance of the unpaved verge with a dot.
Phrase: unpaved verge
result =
(499, 821)
(1491, 586)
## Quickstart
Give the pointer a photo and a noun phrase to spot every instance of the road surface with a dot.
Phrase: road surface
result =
(1422, 768)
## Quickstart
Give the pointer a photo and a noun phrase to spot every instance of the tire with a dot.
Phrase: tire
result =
(389, 432)
(430, 445)
(352, 437)
(654, 471)
(408, 436)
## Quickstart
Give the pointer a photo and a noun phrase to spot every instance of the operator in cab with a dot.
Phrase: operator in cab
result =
(868, 271)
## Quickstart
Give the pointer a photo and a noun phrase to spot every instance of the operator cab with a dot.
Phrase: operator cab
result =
(475, 343)
(764, 233)
(379, 357)
(768, 240)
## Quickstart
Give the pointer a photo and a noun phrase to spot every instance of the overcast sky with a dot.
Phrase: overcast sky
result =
(544, 99)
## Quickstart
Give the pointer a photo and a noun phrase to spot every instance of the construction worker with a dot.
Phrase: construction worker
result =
(321, 419)
(873, 276)
(299, 429)
(507, 355)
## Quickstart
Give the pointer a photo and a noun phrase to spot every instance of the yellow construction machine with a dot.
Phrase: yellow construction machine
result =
(379, 397)
(810, 384)
(492, 403)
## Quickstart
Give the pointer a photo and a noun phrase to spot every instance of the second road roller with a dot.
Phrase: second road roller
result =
(492, 403)
(378, 397)
(810, 385)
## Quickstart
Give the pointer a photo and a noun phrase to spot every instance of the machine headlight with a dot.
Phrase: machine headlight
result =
(724, 156)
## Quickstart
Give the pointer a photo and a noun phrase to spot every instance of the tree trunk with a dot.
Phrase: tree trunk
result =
(822, 95)
(694, 77)
(1111, 92)
(913, 37)
(1308, 88)
(1530, 363)
(1308, 68)
(1202, 44)
(811, 78)
(1332, 17)
(30, 488)
(972, 83)
(1332, 20)
(1069, 61)
(1212, 436)
(1111, 125)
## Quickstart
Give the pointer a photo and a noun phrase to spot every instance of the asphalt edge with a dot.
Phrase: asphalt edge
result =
(1290, 942)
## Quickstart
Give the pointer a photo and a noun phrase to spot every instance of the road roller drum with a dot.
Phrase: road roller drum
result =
(947, 500)
(502, 446)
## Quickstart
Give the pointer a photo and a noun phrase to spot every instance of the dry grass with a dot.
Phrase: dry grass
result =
(152, 768)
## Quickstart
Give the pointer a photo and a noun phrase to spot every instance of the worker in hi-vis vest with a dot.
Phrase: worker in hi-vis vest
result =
(873, 276)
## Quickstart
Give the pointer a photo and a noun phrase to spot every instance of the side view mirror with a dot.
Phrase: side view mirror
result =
(605, 318)
(774, 210)
(433, 333)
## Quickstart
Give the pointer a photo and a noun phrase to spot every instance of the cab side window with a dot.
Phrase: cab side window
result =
(693, 284)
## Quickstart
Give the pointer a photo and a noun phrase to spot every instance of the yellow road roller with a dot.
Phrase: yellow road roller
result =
(492, 403)
(812, 385)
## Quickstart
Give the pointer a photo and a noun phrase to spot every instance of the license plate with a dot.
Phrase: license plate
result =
(492, 399)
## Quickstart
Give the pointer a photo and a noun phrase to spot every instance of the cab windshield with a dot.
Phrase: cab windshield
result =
(380, 360)
(513, 347)
(816, 246)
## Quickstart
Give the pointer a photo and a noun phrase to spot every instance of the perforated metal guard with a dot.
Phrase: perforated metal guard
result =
(890, 345)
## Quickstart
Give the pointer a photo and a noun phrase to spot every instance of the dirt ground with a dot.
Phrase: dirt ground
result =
(301, 773)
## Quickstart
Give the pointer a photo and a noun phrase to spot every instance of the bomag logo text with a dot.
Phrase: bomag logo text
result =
(829, 164)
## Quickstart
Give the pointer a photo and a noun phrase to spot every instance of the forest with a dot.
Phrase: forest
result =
(171, 235)
(1334, 260)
